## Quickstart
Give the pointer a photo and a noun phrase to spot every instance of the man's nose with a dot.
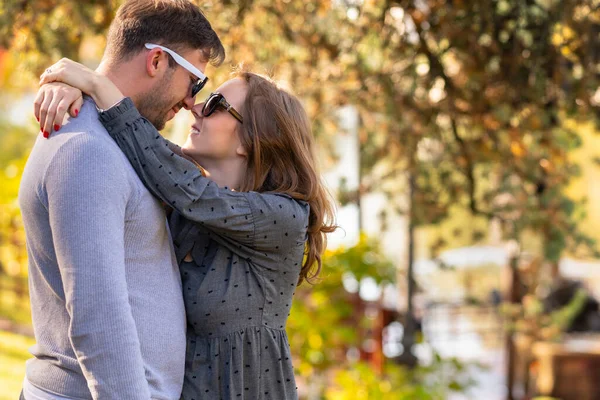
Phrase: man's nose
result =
(188, 102)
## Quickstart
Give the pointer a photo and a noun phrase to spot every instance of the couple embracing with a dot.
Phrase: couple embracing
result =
(160, 272)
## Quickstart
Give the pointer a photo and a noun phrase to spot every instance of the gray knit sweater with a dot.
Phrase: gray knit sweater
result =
(106, 299)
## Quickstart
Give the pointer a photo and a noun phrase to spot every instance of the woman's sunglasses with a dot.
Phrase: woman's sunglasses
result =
(217, 100)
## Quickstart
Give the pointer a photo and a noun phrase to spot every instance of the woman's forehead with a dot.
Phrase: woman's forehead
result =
(234, 90)
(231, 85)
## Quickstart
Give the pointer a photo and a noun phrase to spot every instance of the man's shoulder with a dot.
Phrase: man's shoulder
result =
(86, 133)
(85, 152)
(87, 121)
(84, 144)
(89, 165)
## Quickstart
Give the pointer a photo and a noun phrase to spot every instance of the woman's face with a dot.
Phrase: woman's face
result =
(215, 137)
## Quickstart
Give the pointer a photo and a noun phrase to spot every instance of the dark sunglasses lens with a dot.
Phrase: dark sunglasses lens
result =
(211, 104)
(197, 87)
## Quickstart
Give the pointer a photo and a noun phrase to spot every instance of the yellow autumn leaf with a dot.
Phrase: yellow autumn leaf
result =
(315, 341)
(517, 149)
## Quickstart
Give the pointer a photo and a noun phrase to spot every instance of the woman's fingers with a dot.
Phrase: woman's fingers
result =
(37, 104)
(45, 121)
(55, 99)
(76, 106)
(61, 105)
(58, 99)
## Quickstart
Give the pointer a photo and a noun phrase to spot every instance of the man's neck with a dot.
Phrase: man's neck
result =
(123, 76)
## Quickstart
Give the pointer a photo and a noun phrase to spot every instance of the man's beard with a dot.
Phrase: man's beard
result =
(155, 104)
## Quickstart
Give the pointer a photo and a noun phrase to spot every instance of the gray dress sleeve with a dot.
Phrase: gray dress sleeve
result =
(261, 226)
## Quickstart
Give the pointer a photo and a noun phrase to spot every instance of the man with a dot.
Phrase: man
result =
(106, 299)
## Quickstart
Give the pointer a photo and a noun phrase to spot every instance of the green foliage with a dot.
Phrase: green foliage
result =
(39, 32)
(364, 259)
(327, 322)
(565, 316)
(435, 382)
(14, 298)
(324, 317)
(530, 319)
(15, 143)
(13, 353)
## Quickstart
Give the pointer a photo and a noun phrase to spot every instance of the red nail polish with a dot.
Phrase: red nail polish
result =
(46, 134)
(36, 117)
(56, 127)
(76, 112)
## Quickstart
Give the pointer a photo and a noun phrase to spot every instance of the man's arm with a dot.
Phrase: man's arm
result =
(87, 195)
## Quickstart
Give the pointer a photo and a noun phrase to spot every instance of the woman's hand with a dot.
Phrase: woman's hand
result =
(51, 104)
(73, 74)
(79, 77)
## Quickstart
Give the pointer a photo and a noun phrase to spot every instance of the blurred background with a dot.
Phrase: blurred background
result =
(460, 141)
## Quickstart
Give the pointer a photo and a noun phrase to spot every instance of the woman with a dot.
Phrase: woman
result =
(248, 227)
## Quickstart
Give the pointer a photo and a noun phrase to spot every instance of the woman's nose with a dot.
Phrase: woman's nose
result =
(197, 110)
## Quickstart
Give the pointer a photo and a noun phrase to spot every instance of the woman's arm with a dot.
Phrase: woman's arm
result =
(173, 179)
(262, 222)
(99, 87)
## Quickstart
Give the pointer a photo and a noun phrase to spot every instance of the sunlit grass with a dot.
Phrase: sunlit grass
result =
(13, 353)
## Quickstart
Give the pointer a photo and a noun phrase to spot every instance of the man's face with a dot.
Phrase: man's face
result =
(172, 92)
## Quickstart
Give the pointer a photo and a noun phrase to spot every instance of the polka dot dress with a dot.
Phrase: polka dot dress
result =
(246, 252)
(236, 310)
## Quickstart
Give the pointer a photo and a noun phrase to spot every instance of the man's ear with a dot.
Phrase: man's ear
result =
(155, 60)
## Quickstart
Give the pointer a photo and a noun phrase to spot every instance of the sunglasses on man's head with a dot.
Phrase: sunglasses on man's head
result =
(202, 79)
(217, 100)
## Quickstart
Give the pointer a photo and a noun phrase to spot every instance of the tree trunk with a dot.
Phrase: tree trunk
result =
(408, 339)
(514, 296)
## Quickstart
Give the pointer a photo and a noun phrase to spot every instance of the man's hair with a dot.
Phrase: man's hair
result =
(177, 24)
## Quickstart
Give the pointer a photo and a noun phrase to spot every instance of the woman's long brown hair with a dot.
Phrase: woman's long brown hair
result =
(277, 135)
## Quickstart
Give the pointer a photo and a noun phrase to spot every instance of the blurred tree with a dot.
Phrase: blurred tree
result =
(471, 97)
(39, 32)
